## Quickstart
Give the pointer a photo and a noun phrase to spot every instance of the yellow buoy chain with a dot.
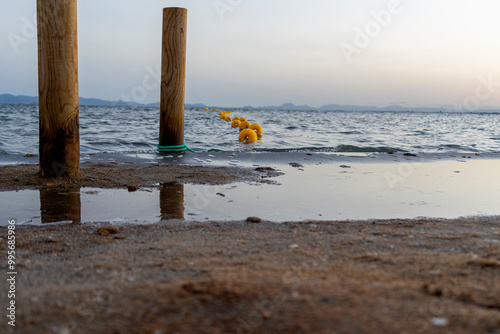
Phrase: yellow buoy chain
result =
(249, 132)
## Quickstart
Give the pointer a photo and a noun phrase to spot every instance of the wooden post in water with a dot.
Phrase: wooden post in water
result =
(173, 77)
(58, 88)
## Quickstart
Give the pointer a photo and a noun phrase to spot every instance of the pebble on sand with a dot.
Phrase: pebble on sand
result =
(295, 165)
(254, 220)
(439, 322)
(107, 230)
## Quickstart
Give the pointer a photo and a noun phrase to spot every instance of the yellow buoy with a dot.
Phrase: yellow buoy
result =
(248, 136)
(243, 119)
(257, 128)
(222, 115)
(206, 109)
(236, 123)
(228, 118)
(236, 118)
(245, 125)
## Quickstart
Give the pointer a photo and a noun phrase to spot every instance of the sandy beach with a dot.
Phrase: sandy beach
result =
(255, 276)
(398, 276)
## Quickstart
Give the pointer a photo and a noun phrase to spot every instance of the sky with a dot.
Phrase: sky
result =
(269, 52)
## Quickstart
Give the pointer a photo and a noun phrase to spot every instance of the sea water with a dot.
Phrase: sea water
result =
(136, 130)
(346, 172)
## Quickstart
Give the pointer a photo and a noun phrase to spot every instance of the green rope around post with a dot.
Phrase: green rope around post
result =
(180, 149)
(177, 148)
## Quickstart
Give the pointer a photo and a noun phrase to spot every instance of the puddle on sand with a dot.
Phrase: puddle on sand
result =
(315, 192)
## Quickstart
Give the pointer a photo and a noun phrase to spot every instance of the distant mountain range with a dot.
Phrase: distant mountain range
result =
(23, 99)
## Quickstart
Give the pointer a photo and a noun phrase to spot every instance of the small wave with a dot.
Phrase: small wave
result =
(418, 133)
(457, 148)
(368, 149)
(336, 149)
(351, 133)
(296, 149)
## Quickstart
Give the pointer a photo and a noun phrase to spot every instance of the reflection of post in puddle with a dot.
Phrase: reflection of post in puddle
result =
(60, 205)
(172, 201)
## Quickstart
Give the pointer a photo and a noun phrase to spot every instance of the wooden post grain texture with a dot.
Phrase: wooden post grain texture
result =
(58, 88)
(173, 77)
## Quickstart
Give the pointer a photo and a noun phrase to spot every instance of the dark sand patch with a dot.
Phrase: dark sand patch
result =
(131, 176)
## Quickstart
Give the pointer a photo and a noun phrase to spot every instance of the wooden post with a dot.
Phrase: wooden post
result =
(173, 77)
(58, 88)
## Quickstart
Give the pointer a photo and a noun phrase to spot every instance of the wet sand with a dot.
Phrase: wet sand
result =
(130, 175)
(235, 186)
(375, 276)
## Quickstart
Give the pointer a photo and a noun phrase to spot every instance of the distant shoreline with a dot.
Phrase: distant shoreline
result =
(92, 102)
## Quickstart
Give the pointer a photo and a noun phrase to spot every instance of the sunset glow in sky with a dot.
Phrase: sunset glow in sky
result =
(268, 52)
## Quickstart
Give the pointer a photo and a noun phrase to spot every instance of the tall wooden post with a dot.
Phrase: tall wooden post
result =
(58, 88)
(173, 77)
